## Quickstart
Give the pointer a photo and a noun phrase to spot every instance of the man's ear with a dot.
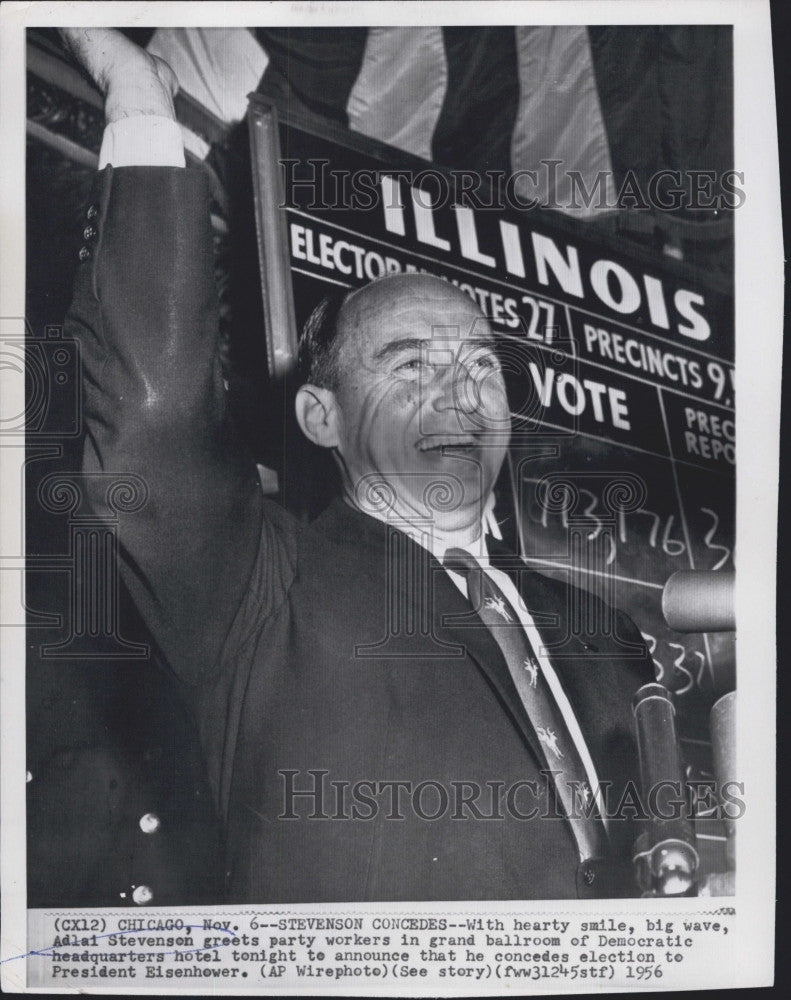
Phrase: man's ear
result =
(317, 415)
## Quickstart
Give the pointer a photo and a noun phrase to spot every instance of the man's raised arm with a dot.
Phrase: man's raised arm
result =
(145, 312)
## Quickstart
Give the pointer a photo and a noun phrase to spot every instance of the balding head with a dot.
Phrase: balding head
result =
(388, 291)
(350, 312)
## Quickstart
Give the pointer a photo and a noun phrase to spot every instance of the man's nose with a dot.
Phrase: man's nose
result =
(457, 389)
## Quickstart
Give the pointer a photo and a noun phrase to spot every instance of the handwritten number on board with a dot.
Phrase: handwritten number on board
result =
(655, 526)
(710, 534)
(680, 668)
(660, 669)
(588, 512)
(678, 547)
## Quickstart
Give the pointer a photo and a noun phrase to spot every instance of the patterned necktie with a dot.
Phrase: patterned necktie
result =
(560, 752)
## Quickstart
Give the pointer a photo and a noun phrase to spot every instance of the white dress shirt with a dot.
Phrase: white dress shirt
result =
(142, 141)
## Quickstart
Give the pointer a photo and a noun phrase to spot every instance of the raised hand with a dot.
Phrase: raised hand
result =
(133, 81)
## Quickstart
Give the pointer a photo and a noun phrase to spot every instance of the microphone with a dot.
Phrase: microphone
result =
(667, 863)
(699, 601)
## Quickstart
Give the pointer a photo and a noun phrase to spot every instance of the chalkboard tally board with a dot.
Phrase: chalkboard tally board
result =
(619, 367)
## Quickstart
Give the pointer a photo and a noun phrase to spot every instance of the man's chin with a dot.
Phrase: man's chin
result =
(449, 500)
(451, 485)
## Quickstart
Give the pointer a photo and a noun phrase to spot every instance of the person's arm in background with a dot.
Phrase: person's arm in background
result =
(145, 313)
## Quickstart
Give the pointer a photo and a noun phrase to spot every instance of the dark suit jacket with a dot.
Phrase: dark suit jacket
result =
(337, 653)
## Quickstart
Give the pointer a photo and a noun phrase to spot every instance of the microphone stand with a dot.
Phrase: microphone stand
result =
(666, 858)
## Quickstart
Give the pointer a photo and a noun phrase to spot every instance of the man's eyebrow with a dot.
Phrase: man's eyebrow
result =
(410, 343)
(402, 344)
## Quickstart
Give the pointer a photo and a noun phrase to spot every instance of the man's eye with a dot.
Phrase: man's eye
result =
(483, 362)
(413, 365)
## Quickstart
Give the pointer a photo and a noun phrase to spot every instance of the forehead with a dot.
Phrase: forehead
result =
(394, 309)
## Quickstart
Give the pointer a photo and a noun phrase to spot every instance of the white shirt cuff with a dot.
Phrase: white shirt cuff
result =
(142, 141)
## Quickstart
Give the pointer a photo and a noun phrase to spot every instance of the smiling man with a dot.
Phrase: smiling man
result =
(388, 708)
(403, 383)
